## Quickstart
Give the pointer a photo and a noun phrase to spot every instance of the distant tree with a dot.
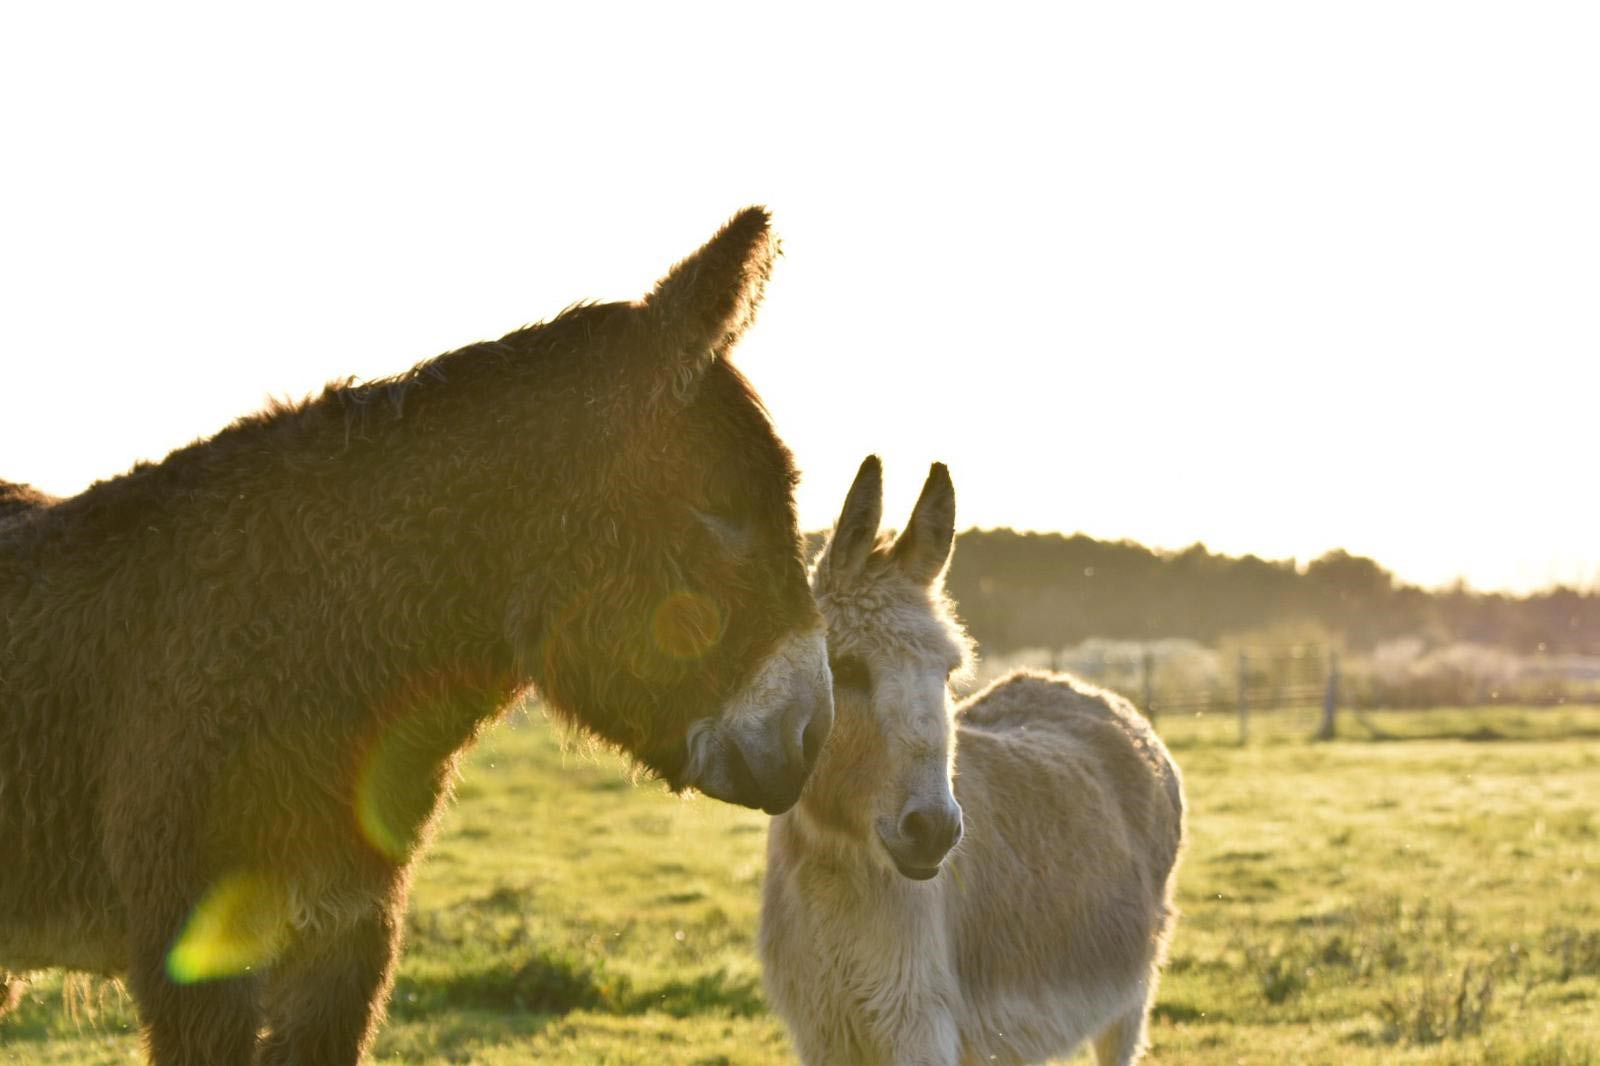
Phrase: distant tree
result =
(1019, 590)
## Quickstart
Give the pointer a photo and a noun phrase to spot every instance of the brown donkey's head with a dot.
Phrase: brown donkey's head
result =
(626, 494)
(885, 773)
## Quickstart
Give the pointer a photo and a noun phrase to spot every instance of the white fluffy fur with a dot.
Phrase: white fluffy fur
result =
(1047, 924)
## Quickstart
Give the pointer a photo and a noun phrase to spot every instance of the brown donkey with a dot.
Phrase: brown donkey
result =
(234, 685)
(1046, 924)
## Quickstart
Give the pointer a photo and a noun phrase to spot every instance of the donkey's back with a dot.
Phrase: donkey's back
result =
(1082, 734)
(18, 499)
(1074, 815)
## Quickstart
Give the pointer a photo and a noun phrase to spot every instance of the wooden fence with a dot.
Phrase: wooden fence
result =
(1262, 685)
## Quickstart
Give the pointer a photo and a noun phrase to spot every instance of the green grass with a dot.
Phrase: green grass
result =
(1425, 889)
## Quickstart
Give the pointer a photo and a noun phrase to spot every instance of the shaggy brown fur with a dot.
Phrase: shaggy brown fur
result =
(234, 684)
(17, 499)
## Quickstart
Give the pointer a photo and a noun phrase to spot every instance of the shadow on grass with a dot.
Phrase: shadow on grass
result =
(549, 983)
(1183, 1014)
(518, 995)
(459, 1036)
(709, 993)
(546, 983)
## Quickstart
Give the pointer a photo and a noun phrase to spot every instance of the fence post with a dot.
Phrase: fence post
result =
(1330, 697)
(1149, 664)
(1275, 668)
(1244, 696)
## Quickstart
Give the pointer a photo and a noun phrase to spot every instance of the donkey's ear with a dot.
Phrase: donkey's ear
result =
(857, 528)
(924, 547)
(702, 307)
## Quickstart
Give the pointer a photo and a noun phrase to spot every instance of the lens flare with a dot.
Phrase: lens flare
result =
(239, 924)
(687, 625)
(381, 795)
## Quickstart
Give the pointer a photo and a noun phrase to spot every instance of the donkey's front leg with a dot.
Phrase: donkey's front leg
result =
(190, 1018)
(928, 1039)
(325, 997)
(212, 1024)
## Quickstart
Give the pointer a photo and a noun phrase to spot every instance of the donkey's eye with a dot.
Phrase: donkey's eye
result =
(732, 531)
(850, 672)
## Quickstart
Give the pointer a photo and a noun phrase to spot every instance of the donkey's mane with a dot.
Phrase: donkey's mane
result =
(536, 350)
(17, 498)
(529, 350)
(360, 398)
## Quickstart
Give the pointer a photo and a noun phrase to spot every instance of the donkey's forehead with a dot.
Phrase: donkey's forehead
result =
(879, 621)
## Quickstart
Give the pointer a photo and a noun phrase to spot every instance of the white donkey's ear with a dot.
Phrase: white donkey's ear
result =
(924, 547)
(857, 528)
(698, 312)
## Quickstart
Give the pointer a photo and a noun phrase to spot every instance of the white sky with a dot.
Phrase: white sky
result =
(1279, 277)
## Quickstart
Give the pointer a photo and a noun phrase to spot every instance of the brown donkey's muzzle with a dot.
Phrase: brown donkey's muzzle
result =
(769, 771)
(765, 764)
(760, 750)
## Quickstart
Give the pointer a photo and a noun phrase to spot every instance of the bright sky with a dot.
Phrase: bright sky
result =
(1278, 277)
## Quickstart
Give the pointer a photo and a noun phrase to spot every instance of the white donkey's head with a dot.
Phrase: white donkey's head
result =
(893, 644)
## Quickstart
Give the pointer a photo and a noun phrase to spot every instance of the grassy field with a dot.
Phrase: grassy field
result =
(1425, 889)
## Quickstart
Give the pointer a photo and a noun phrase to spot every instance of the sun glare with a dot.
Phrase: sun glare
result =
(238, 925)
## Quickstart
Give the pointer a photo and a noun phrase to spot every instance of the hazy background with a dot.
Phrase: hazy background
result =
(1281, 278)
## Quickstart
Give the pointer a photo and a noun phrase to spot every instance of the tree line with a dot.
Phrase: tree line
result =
(1017, 590)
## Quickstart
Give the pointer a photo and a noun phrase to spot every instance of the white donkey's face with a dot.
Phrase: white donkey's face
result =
(893, 645)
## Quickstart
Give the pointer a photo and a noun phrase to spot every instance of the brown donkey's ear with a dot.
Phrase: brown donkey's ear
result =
(702, 307)
(857, 528)
(924, 547)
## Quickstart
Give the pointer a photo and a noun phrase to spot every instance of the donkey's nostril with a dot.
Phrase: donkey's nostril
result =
(914, 827)
(931, 831)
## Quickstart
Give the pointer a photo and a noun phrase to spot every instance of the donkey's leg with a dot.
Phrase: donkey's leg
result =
(11, 989)
(199, 1022)
(326, 996)
(1123, 1041)
(211, 1023)
(930, 1040)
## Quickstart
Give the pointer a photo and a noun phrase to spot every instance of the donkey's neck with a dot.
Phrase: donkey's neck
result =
(426, 552)
(379, 551)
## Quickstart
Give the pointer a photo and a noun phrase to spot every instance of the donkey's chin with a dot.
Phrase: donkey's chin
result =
(917, 873)
(722, 768)
(913, 868)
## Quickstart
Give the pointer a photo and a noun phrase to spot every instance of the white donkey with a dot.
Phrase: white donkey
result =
(1049, 924)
